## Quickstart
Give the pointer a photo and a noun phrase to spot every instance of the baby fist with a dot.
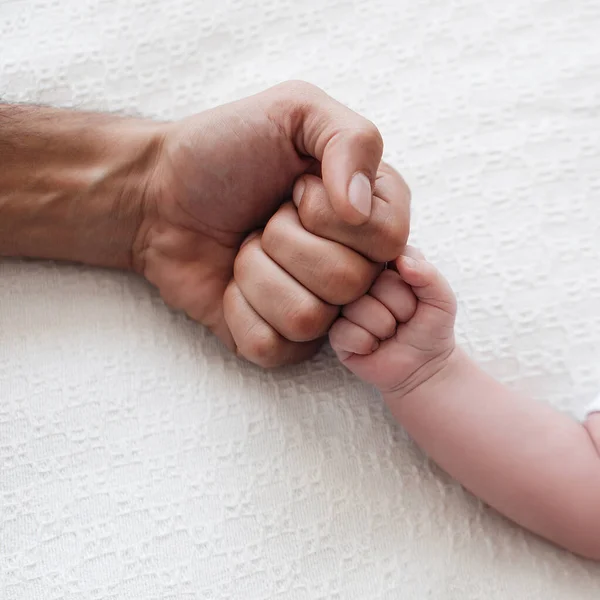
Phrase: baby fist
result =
(401, 332)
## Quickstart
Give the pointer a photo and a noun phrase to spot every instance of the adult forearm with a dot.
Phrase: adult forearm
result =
(72, 184)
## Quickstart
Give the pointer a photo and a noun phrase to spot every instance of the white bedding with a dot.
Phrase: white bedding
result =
(139, 460)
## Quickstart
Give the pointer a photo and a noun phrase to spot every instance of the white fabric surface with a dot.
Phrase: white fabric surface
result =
(139, 460)
(594, 406)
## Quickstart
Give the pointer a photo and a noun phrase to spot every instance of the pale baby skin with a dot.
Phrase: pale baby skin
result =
(534, 464)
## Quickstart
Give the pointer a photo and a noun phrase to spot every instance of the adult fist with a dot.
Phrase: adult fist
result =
(289, 282)
(221, 175)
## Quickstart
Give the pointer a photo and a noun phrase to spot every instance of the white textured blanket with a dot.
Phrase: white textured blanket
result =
(140, 461)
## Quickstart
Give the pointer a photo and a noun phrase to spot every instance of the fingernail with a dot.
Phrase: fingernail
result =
(409, 262)
(298, 192)
(375, 346)
(359, 194)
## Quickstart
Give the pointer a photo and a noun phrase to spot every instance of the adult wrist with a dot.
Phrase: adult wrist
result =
(72, 184)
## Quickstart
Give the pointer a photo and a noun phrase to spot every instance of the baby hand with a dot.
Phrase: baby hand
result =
(401, 333)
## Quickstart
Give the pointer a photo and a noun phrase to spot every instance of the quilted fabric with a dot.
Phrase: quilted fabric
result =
(139, 460)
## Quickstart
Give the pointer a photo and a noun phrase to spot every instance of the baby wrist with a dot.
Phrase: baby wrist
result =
(432, 378)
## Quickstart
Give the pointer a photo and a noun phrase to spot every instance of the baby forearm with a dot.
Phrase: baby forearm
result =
(532, 463)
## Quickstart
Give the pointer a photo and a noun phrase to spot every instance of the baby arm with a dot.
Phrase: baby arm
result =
(532, 463)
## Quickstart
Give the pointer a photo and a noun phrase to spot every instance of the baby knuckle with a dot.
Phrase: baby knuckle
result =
(407, 306)
(388, 325)
(337, 333)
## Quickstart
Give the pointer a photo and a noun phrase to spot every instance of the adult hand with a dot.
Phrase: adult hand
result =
(175, 201)
(224, 174)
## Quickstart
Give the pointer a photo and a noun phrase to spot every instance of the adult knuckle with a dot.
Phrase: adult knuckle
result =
(369, 136)
(315, 212)
(245, 257)
(385, 279)
(398, 231)
(391, 237)
(393, 174)
(346, 282)
(275, 234)
(392, 227)
(386, 168)
(260, 346)
(307, 320)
